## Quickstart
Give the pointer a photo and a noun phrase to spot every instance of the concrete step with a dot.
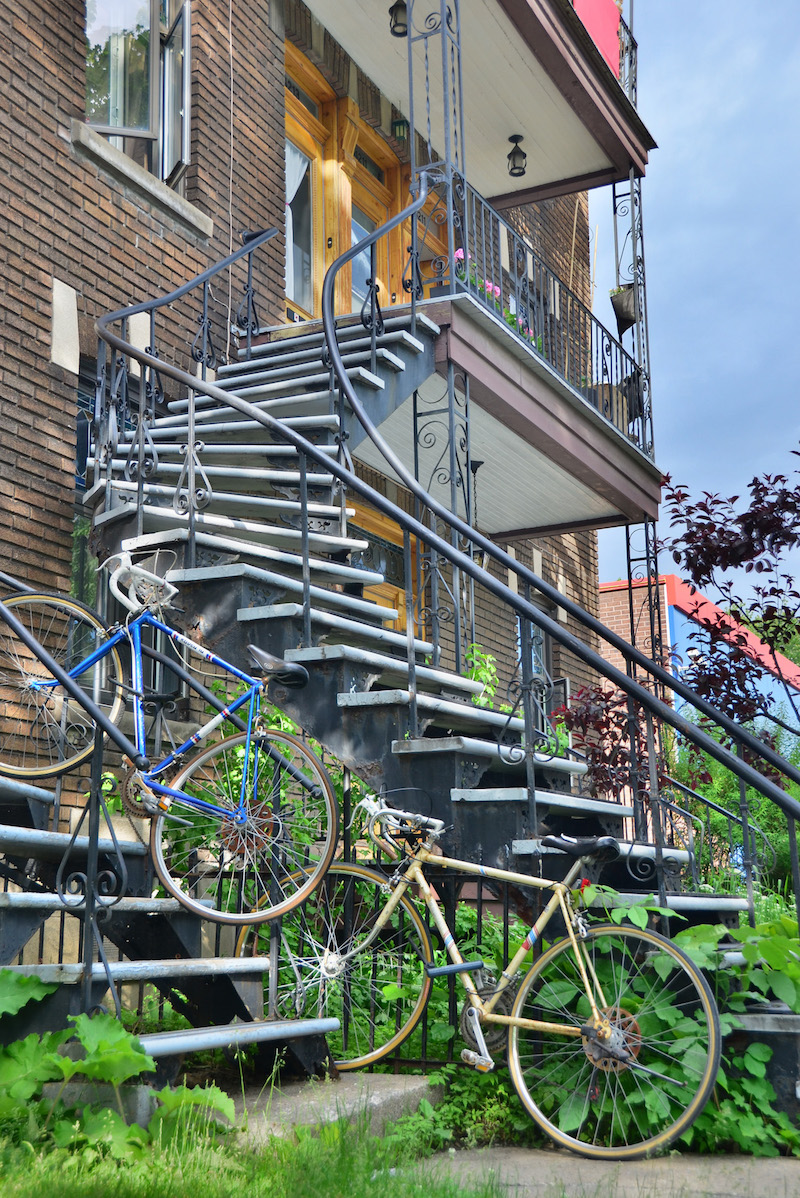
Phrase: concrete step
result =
(346, 328)
(299, 380)
(544, 798)
(70, 973)
(340, 624)
(504, 757)
(386, 668)
(51, 846)
(441, 712)
(332, 572)
(259, 533)
(293, 350)
(286, 367)
(269, 506)
(360, 609)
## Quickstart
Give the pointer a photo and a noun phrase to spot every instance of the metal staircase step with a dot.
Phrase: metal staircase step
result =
(441, 711)
(386, 667)
(286, 369)
(249, 531)
(502, 756)
(233, 424)
(233, 1035)
(311, 347)
(319, 402)
(332, 571)
(51, 846)
(316, 380)
(244, 570)
(545, 798)
(356, 628)
(268, 504)
(146, 971)
(312, 332)
(684, 904)
(49, 902)
(629, 849)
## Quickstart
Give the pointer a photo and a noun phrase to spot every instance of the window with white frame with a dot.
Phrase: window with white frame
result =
(138, 69)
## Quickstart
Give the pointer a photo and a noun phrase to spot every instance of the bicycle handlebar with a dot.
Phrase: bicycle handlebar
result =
(396, 823)
(143, 589)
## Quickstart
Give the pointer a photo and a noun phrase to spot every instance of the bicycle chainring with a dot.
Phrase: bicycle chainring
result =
(495, 1034)
(137, 801)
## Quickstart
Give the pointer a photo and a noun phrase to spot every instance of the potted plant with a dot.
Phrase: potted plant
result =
(623, 301)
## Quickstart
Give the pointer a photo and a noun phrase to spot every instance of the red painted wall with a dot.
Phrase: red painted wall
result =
(601, 20)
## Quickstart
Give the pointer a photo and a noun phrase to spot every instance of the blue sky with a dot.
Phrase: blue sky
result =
(719, 88)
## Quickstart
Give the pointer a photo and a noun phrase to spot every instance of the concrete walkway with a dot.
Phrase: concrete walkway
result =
(518, 1172)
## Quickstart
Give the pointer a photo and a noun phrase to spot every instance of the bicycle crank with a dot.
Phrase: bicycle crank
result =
(480, 1060)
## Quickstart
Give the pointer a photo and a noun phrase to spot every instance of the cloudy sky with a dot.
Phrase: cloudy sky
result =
(719, 88)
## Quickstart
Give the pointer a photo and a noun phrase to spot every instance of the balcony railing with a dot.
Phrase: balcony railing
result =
(628, 51)
(491, 261)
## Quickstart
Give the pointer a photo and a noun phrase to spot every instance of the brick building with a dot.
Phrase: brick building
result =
(144, 138)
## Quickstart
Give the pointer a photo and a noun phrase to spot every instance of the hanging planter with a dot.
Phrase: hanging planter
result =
(623, 301)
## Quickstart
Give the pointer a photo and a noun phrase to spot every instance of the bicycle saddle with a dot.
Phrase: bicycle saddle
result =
(286, 673)
(602, 848)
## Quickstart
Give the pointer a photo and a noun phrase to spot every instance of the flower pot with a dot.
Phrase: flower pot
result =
(624, 304)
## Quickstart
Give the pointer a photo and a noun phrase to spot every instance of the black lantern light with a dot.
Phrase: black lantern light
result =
(398, 19)
(517, 158)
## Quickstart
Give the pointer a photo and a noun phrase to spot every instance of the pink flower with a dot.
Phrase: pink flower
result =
(497, 292)
(459, 255)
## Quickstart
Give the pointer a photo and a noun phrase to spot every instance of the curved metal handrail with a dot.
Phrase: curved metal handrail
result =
(526, 609)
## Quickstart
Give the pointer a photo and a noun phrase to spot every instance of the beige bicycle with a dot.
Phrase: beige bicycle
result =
(612, 1034)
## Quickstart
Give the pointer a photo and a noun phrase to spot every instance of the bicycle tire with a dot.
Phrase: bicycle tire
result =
(378, 996)
(44, 734)
(662, 1006)
(243, 872)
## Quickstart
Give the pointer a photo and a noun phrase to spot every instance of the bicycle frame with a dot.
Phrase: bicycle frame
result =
(413, 875)
(131, 632)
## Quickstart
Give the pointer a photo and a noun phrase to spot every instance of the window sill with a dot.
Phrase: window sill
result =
(92, 146)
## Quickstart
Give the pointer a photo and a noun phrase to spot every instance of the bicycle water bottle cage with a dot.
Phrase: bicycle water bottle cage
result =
(600, 848)
(285, 673)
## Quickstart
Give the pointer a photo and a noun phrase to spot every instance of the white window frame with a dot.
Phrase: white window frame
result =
(170, 94)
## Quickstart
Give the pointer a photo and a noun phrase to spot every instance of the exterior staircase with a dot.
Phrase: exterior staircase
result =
(268, 557)
(264, 549)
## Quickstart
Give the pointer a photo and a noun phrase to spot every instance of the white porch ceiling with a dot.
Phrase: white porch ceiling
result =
(517, 486)
(505, 88)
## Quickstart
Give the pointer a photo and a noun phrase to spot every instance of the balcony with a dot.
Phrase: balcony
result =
(554, 408)
(528, 67)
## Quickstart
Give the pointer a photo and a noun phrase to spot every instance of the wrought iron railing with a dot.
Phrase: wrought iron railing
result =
(491, 261)
(628, 62)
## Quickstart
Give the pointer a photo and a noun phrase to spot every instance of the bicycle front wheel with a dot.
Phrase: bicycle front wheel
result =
(44, 732)
(267, 839)
(662, 1014)
(379, 994)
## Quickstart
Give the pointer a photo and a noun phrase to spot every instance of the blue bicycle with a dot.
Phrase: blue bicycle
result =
(241, 832)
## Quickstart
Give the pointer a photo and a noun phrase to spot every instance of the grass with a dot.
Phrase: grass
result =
(342, 1161)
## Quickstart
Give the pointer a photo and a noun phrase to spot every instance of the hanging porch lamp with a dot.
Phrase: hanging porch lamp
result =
(398, 19)
(517, 158)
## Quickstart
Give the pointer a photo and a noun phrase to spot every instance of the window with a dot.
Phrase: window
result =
(299, 229)
(138, 67)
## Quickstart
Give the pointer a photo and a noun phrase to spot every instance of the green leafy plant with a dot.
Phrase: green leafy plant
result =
(481, 667)
(97, 1050)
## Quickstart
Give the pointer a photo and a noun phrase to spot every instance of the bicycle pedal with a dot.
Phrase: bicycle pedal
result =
(482, 1064)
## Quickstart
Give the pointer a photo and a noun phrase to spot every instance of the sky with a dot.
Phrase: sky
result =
(719, 89)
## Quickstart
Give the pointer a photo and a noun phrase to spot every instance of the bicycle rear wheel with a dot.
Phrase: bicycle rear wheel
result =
(244, 868)
(662, 1013)
(378, 995)
(44, 732)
